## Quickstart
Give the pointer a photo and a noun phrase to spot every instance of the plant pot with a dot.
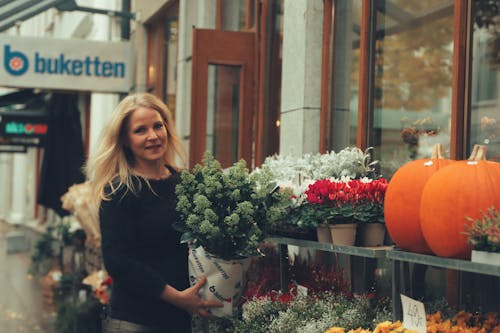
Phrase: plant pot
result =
(372, 234)
(324, 234)
(343, 234)
(484, 257)
(226, 279)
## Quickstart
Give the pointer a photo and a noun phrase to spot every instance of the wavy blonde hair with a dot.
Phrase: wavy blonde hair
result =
(111, 162)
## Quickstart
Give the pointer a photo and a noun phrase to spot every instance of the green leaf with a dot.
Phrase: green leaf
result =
(186, 237)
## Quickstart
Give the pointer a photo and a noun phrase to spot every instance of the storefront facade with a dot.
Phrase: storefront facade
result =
(252, 78)
(268, 77)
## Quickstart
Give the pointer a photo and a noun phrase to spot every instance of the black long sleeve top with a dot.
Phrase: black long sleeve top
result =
(142, 253)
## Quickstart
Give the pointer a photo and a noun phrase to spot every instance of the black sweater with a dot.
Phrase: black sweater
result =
(142, 253)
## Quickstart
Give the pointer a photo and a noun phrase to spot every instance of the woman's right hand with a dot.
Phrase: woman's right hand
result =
(189, 299)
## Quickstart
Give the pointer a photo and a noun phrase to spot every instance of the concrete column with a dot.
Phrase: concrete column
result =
(198, 14)
(301, 76)
(6, 161)
(19, 178)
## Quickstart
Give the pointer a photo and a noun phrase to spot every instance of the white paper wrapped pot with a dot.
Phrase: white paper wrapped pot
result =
(226, 279)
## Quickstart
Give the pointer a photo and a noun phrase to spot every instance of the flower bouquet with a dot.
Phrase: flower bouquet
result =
(224, 215)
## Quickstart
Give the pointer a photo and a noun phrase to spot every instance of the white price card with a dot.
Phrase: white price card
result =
(413, 314)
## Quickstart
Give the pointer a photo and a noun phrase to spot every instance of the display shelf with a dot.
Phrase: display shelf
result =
(368, 252)
(456, 264)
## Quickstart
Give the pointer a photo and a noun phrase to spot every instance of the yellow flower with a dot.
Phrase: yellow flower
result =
(335, 330)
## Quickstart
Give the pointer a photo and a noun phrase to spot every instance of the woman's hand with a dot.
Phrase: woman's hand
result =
(189, 299)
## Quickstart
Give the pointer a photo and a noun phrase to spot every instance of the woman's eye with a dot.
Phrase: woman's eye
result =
(158, 126)
(139, 130)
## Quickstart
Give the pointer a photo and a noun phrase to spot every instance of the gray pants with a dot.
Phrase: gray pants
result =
(111, 325)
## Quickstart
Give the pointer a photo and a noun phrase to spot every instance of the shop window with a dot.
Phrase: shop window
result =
(345, 73)
(391, 78)
(412, 87)
(485, 114)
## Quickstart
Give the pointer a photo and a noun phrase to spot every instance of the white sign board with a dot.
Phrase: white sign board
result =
(67, 64)
(413, 314)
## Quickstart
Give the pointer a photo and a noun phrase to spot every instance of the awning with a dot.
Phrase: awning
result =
(13, 11)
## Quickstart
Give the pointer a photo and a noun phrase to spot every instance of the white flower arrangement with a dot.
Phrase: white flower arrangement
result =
(296, 173)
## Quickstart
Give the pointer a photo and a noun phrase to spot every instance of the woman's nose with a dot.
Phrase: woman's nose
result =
(152, 135)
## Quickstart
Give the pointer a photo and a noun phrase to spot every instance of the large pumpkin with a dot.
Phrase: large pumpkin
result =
(402, 200)
(462, 189)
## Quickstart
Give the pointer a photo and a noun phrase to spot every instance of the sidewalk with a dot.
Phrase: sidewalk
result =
(21, 307)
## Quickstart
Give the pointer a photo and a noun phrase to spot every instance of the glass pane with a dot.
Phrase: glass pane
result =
(344, 115)
(272, 112)
(412, 96)
(485, 114)
(234, 14)
(223, 109)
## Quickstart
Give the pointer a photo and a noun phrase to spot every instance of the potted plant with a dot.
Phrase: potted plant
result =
(369, 209)
(484, 237)
(332, 203)
(224, 215)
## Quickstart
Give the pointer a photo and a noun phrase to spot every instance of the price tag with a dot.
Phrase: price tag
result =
(413, 314)
(301, 290)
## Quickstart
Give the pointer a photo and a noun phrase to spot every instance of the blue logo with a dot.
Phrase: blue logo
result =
(15, 62)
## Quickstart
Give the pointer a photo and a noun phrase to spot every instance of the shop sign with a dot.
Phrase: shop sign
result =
(25, 128)
(67, 64)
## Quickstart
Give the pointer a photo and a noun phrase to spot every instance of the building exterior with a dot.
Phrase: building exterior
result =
(247, 79)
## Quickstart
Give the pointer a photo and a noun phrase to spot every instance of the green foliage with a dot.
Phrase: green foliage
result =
(309, 314)
(78, 317)
(484, 233)
(43, 253)
(226, 211)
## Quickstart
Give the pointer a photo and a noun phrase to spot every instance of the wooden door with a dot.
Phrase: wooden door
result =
(222, 96)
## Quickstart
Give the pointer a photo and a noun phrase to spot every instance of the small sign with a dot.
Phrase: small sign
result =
(413, 314)
(301, 290)
(23, 127)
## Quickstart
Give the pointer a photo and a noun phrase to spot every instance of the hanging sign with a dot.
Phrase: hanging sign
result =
(68, 64)
(23, 127)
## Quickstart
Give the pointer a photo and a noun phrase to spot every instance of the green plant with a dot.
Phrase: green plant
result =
(43, 253)
(226, 211)
(484, 233)
(78, 317)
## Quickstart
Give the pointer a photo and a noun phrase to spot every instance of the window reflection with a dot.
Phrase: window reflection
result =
(413, 62)
(344, 113)
(485, 112)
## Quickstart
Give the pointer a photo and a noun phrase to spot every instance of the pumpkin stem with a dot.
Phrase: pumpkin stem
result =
(478, 153)
(438, 151)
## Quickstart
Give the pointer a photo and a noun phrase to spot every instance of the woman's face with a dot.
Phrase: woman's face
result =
(147, 135)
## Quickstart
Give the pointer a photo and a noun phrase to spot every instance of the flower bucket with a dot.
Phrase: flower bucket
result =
(226, 279)
(484, 257)
(343, 234)
(372, 234)
(324, 234)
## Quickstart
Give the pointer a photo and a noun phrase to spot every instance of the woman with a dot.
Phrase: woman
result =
(133, 174)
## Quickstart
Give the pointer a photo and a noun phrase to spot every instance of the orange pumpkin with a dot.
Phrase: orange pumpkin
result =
(462, 189)
(402, 200)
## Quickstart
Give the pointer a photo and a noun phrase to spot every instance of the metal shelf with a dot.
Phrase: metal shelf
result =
(368, 252)
(456, 264)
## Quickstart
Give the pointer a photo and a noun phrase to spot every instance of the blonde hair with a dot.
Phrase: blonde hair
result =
(111, 162)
